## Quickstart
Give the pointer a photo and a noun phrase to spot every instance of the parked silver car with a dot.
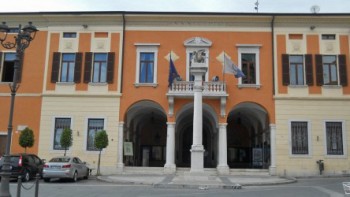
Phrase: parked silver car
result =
(65, 168)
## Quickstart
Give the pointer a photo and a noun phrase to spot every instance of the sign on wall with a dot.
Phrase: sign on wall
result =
(128, 151)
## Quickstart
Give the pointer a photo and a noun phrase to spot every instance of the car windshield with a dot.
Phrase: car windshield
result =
(14, 160)
(60, 159)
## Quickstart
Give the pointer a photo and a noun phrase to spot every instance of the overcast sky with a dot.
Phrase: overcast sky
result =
(265, 6)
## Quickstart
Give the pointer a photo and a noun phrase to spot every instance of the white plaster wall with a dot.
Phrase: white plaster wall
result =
(316, 112)
(79, 109)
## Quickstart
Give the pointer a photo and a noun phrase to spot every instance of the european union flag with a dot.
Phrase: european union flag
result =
(172, 73)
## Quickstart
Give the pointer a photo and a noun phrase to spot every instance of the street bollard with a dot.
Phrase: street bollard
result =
(37, 178)
(19, 186)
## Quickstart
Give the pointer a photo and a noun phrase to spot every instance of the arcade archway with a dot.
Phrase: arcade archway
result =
(147, 130)
(184, 136)
(248, 137)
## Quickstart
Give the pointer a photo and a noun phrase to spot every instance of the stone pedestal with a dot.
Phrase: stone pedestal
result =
(197, 159)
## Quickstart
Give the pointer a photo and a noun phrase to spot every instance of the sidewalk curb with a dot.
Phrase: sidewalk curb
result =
(171, 185)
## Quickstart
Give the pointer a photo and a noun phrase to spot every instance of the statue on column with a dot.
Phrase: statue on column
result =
(198, 56)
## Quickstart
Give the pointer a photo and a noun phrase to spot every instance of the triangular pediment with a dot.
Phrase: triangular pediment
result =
(197, 42)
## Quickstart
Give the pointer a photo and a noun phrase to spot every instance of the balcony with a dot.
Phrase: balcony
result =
(184, 89)
(211, 90)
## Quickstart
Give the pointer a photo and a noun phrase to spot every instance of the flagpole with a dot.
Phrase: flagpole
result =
(223, 69)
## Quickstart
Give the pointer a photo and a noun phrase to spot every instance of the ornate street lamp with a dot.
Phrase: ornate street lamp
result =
(22, 41)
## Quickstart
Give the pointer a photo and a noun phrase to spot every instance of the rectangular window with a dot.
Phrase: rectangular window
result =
(94, 126)
(146, 67)
(60, 125)
(299, 135)
(334, 136)
(296, 70)
(330, 73)
(249, 68)
(328, 36)
(8, 67)
(67, 67)
(100, 68)
(69, 35)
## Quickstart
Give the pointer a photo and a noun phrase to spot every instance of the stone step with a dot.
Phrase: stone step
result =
(143, 170)
(249, 172)
(207, 171)
(186, 171)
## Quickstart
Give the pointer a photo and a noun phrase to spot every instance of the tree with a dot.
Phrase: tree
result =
(101, 142)
(26, 138)
(66, 139)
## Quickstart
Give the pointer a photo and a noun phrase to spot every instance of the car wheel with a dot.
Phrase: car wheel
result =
(26, 176)
(87, 174)
(47, 179)
(75, 177)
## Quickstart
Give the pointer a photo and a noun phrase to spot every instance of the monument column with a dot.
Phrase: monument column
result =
(198, 69)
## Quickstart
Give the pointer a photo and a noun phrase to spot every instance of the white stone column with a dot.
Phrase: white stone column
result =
(197, 149)
(273, 149)
(222, 167)
(170, 166)
(120, 163)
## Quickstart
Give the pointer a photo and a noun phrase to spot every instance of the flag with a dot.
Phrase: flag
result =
(172, 73)
(232, 68)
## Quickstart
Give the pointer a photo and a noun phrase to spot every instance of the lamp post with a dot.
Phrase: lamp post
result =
(21, 41)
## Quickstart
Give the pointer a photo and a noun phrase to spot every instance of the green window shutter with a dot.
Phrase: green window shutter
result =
(77, 67)
(342, 70)
(110, 67)
(285, 69)
(309, 70)
(319, 70)
(55, 67)
(87, 69)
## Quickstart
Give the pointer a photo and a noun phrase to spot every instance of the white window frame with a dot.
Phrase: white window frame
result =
(304, 71)
(252, 49)
(309, 136)
(86, 132)
(146, 48)
(190, 50)
(345, 152)
(53, 133)
(2, 64)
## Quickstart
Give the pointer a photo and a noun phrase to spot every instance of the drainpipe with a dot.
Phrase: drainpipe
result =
(273, 53)
(122, 56)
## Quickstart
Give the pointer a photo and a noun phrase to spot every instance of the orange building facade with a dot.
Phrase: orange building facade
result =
(92, 71)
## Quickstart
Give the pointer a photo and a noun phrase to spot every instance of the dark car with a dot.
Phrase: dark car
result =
(25, 165)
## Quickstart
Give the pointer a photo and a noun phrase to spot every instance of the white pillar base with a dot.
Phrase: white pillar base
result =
(223, 170)
(120, 167)
(169, 169)
(272, 170)
(197, 159)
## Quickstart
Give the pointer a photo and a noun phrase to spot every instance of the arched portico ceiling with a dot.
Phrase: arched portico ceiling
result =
(143, 109)
(209, 114)
(252, 110)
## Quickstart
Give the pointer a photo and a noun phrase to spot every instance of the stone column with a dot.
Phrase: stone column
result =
(120, 163)
(197, 149)
(222, 167)
(273, 149)
(170, 166)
